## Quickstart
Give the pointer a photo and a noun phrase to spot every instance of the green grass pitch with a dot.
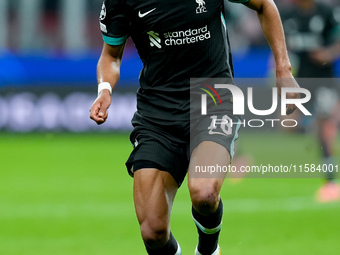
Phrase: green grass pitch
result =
(69, 194)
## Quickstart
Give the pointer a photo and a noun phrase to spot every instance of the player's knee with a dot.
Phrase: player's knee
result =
(204, 199)
(154, 233)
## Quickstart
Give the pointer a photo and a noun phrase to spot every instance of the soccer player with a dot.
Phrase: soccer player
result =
(176, 40)
(313, 35)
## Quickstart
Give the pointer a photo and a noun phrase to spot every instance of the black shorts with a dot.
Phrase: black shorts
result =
(167, 145)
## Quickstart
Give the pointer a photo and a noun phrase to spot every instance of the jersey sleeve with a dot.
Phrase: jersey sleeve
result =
(239, 1)
(114, 22)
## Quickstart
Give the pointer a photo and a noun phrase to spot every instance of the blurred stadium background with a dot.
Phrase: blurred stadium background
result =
(63, 186)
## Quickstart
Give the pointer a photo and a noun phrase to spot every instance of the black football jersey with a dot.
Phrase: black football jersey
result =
(176, 40)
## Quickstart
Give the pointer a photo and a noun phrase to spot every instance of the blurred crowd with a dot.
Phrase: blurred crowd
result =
(35, 25)
(72, 25)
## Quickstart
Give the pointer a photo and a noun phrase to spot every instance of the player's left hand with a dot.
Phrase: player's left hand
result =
(287, 80)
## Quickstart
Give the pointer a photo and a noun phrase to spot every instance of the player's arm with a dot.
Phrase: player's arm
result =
(272, 28)
(108, 70)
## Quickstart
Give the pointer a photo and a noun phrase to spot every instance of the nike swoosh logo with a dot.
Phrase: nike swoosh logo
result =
(141, 15)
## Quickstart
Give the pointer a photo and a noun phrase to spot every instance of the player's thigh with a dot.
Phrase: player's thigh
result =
(206, 173)
(154, 193)
(212, 144)
(209, 161)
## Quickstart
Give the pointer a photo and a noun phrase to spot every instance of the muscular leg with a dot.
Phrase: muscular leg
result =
(204, 192)
(154, 193)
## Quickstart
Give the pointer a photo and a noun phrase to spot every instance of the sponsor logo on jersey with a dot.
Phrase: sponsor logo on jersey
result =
(201, 7)
(187, 37)
(103, 12)
(154, 39)
(142, 15)
(184, 37)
